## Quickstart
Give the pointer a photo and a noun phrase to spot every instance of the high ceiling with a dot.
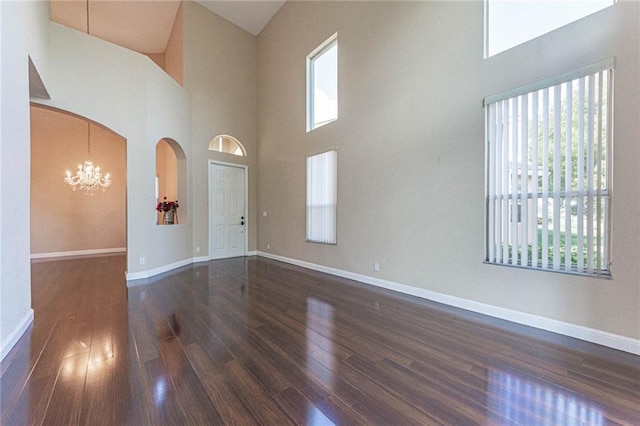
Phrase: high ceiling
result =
(145, 25)
(251, 16)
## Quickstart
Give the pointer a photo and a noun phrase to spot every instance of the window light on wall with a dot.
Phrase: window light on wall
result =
(509, 23)
(322, 84)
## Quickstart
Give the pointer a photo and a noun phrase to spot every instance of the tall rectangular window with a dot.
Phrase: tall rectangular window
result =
(322, 84)
(322, 196)
(549, 173)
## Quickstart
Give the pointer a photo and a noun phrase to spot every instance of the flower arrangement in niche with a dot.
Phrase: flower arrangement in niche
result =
(169, 210)
(165, 206)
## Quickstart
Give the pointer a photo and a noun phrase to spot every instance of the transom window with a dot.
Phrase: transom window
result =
(549, 174)
(227, 144)
(322, 84)
(509, 23)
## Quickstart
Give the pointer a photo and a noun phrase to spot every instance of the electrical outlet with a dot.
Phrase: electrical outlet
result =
(268, 246)
(142, 260)
(197, 249)
(376, 266)
(264, 213)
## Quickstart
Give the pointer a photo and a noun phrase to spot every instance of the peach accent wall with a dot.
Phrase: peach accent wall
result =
(61, 219)
(173, 55)
(166, 171)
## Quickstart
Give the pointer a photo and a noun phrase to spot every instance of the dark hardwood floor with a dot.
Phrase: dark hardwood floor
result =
(253, 341)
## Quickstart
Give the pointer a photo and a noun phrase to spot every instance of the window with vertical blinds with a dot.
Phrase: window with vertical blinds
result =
(548, 164)
(322, 188)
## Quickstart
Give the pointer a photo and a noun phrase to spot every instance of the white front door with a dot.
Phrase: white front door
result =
(227, 215)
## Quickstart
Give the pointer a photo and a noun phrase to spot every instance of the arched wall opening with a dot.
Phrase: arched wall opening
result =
(171, 177)
(66, 222)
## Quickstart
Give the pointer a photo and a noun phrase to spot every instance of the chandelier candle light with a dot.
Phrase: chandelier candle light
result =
(88, 177)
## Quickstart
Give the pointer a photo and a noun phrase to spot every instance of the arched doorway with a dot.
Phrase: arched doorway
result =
(66, 223)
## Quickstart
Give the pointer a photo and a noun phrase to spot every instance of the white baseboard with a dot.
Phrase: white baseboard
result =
(133, 276)
(592, 335)
(73, 253)
(9, 342)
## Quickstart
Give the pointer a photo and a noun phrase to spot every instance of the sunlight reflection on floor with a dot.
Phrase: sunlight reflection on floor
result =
(518, 398)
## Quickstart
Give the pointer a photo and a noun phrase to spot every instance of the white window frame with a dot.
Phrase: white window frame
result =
(311, 80)
(322, 197)
(550, 205)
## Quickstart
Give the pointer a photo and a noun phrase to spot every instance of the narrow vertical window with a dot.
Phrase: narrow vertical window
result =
(322, 84)
(549, 166)
(322, 188)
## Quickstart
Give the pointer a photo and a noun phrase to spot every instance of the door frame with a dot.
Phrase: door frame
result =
(211, 163)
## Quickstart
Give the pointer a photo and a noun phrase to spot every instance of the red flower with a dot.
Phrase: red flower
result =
(165, 206)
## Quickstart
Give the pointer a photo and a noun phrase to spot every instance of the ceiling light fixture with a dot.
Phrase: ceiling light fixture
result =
(88, 177)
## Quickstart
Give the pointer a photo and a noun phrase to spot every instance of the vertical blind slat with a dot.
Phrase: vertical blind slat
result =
(590, 136)
(524, 180)
(599, 176)
(492, 184)
(606, 247)
(498, 189)
(568, 174)
(513, 194)
(557, 120)
(534, 176)
(505, 181)
(545, 178)
(580, 186)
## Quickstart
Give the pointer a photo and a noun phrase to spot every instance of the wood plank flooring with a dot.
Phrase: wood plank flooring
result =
(253, 341)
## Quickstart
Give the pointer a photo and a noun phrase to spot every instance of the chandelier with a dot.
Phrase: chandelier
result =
(88, 177)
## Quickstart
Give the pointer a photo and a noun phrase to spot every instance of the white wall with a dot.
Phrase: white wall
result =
(410, 140)
(127, 93)
(22, 34)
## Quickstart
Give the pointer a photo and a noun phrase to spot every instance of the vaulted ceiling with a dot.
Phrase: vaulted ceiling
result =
(145, 25)
(251, 16)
